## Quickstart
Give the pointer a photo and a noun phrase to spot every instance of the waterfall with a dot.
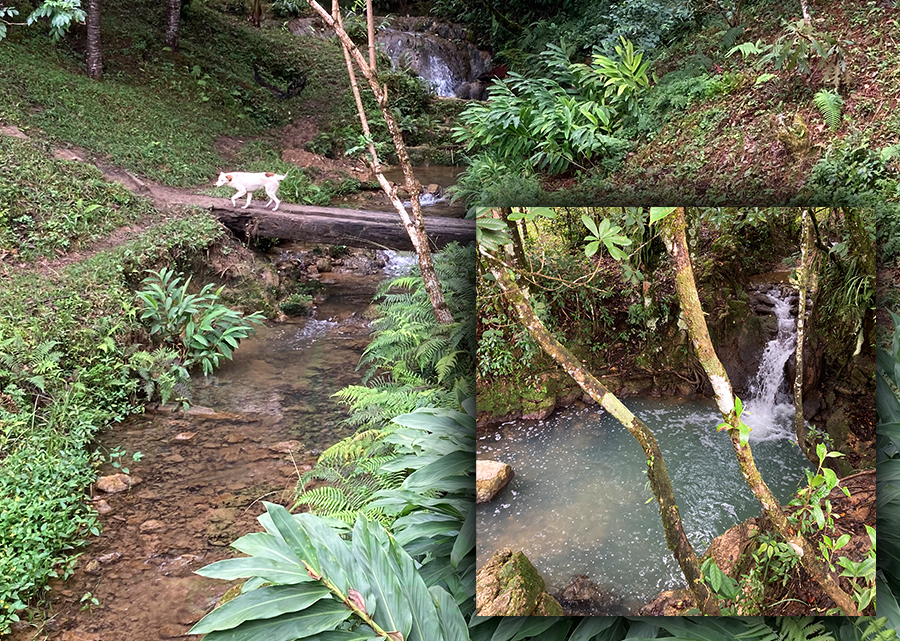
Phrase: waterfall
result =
(768, 409)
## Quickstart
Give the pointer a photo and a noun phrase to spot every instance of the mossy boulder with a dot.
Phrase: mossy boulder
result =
(508, 585)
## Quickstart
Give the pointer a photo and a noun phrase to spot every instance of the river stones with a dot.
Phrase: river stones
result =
(115, 483)
(490, 478)
(508, 585)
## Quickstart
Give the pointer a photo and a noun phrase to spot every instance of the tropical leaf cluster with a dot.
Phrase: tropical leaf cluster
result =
(564, 120)
(412, 360)
(888, 483)
(309, 574)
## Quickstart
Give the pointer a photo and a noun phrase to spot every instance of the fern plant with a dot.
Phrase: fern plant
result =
(351, 468)
(830, 104)
(413, 361)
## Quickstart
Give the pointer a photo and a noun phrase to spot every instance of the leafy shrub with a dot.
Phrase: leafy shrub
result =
(414, 361)
(289, 8)
(846, 173)
(800, 48)
(205, 329)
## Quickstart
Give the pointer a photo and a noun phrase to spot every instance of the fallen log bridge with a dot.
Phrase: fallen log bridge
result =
(335, 226)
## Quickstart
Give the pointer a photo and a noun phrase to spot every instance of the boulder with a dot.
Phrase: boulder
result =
(583, 597)
(508, 585)
(490, 478)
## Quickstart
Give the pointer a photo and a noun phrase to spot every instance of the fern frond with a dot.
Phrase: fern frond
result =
(830, 104)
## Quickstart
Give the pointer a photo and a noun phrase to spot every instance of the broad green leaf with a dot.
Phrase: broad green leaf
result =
(431, 475)
(274, 571)
(265, 603)
(295, 537)
(590, 224)
(658, 213)
(465, 541)
(321, 616)
(369, 548)
(591, 626)
(453, 625)
(264, 545)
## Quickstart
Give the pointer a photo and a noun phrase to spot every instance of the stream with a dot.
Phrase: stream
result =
(256, 424)
(578, 503)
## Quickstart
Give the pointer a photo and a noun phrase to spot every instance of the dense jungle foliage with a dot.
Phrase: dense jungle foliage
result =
(689, 101)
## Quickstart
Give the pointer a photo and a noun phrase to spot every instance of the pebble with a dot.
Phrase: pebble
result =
(152, 525)
(184, 436)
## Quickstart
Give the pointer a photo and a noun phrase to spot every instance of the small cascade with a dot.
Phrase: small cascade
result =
(769, 410)
(397, 263)
(438, 52)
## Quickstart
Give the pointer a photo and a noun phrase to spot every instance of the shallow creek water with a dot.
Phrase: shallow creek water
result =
(578, 501)
(257, 423)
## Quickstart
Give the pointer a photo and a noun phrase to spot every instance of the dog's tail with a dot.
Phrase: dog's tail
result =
(278, 177)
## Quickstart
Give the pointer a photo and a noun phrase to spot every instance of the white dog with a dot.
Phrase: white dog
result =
(247, 183)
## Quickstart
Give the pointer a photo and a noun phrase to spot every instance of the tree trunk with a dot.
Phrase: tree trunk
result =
(673, 228)
(804, 7)
(370, 25)
(518, 251)
(660, 483)
(94, 56)
(173, 18)
(256, 13)
(415, 224)
(803, 280)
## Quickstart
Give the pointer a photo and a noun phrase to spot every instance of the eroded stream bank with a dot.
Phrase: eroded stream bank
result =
(257, 423)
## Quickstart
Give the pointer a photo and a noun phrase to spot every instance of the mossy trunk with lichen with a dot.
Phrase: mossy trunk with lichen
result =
(802, 281)
(657, 473)
(673, 230)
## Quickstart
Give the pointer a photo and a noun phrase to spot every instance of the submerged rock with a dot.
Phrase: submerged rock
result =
(583, 597)
(508, 585)
(490, 478)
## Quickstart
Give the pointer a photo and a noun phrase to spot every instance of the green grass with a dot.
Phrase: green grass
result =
(157, 112)
(50, 206)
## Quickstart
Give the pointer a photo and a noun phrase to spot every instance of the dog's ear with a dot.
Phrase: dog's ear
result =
(228, 177)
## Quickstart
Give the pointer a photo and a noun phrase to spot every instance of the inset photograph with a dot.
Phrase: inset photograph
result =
(676, 411)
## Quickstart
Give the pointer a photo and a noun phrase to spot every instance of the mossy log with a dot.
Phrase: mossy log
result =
(334, 226)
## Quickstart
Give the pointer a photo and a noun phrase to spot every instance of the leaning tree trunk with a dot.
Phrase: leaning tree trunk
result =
(673, 228)
(173, 18)
(415, 224)
(94, 56)
(660, 483)
(803, 280)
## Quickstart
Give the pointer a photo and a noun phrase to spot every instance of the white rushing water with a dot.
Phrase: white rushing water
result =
(769, 410)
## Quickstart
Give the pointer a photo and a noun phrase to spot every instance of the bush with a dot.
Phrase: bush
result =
(205, 329)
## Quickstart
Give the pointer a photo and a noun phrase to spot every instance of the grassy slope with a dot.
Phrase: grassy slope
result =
(161, 113)
(67, 333)
(725, 149)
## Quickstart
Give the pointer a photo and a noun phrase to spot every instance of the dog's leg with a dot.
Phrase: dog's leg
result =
(240, 192)
(270, 192)
(249, 196)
